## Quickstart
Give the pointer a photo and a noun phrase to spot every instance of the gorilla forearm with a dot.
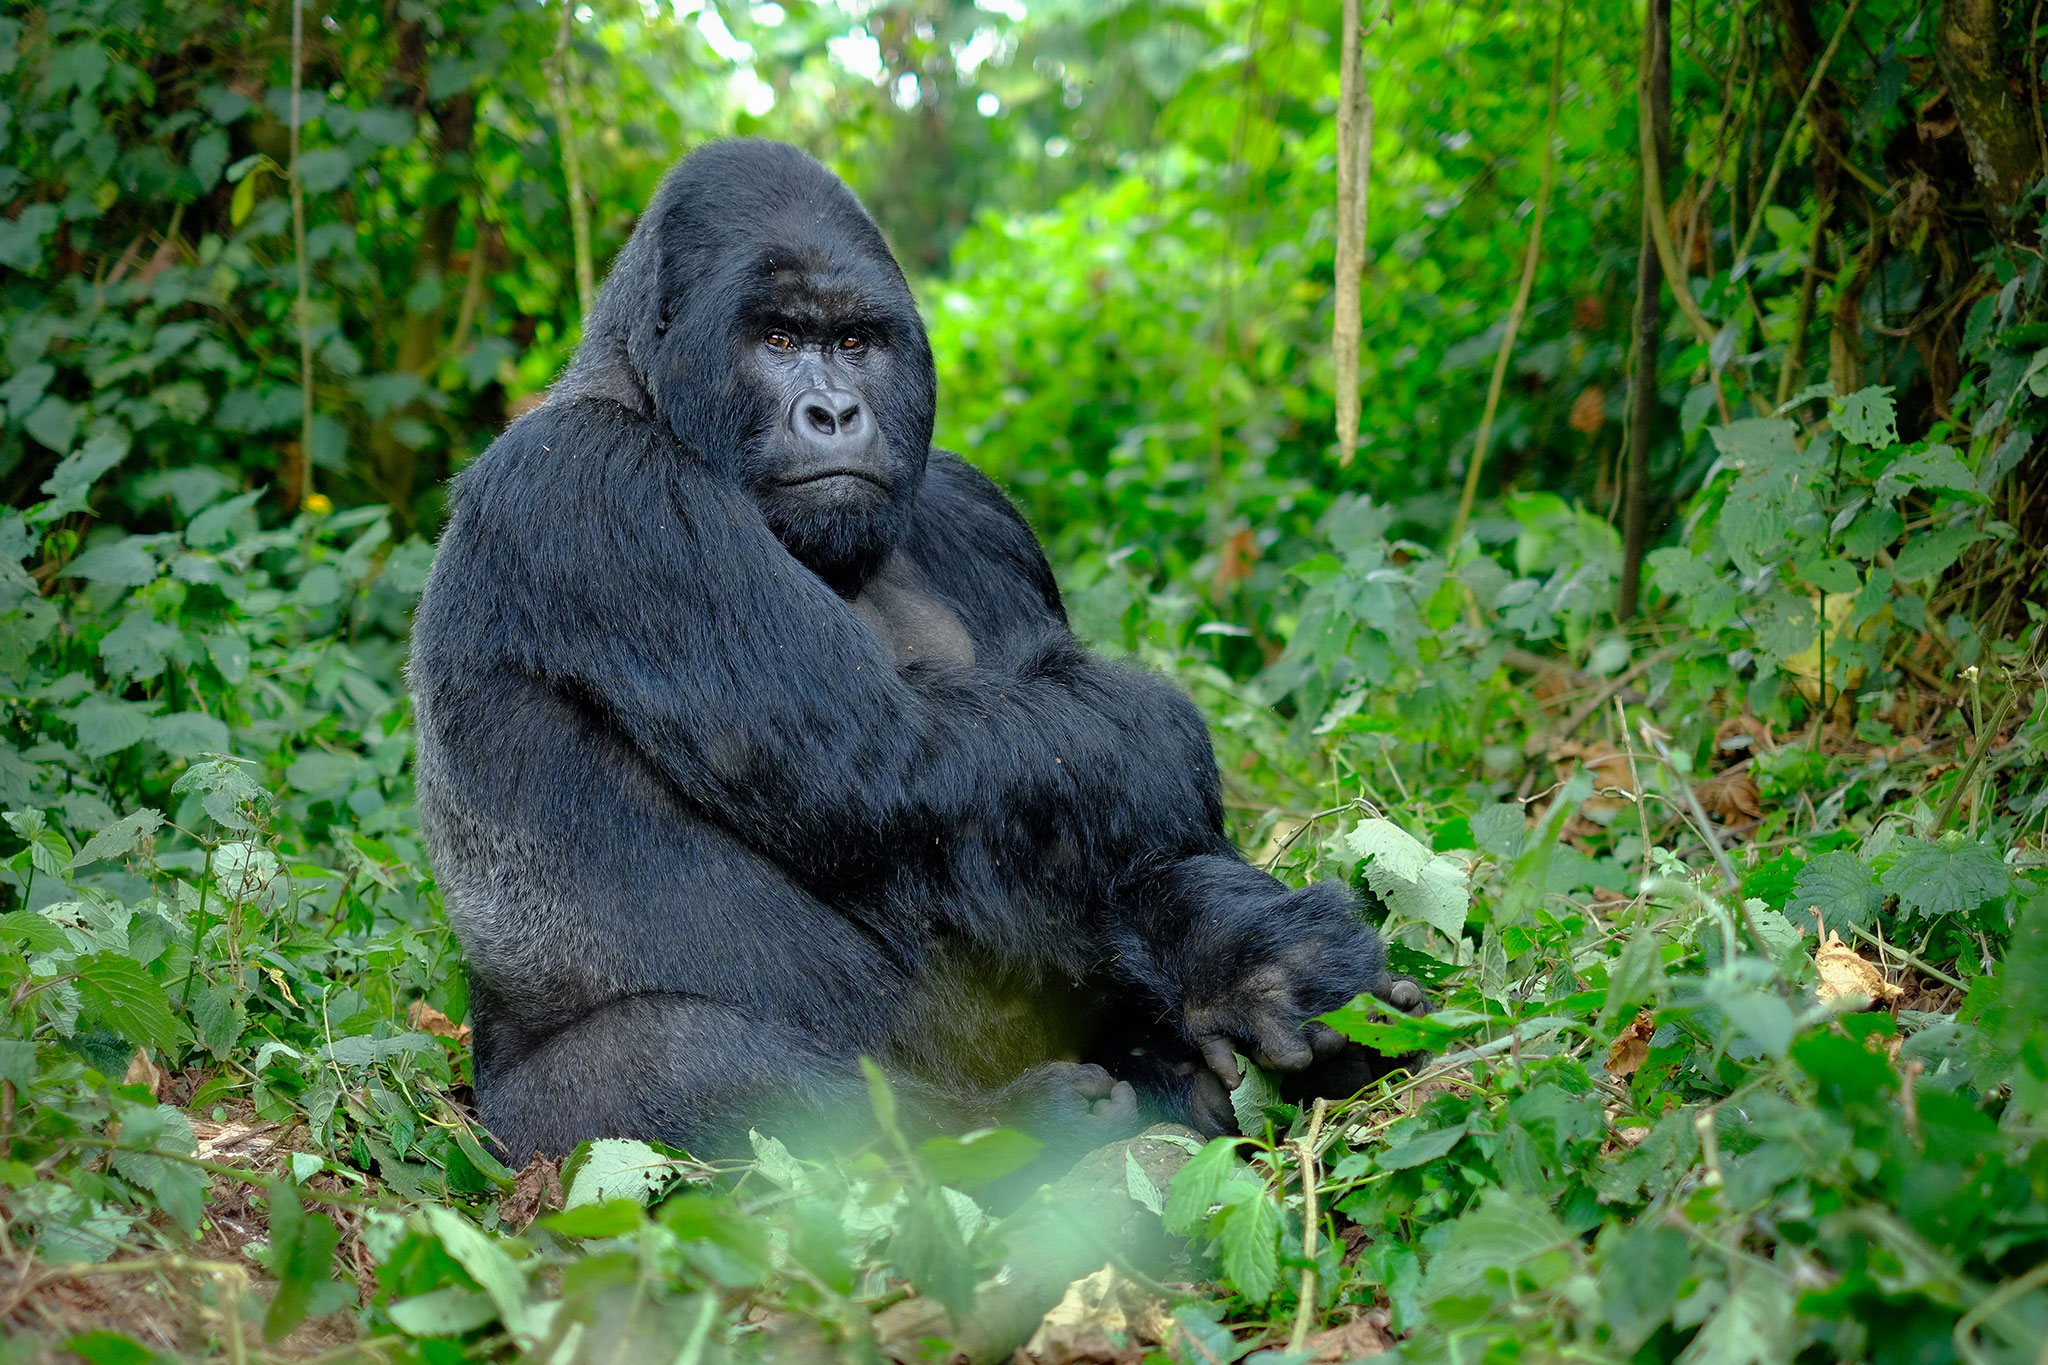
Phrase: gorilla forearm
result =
(765, 700)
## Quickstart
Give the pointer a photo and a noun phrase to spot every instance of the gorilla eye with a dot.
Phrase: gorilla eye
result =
(852, 343)
(780, 341)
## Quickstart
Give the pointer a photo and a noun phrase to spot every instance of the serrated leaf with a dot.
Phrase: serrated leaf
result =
(1936, 879)
(446, 1312)
(1417, 1151)
(302, 1246)
(1503, 1232)
(106, 726)
(1841, 886)
(1199, 1183)
(1934, 467)
(1501, 829)
(1409, 877)
(126, 563)
(487, 1263)
(1248, 1247)
(127, 1001)
(188, 734)
(118, 838)
(1867, 417)
(616, 1168)
(1255, 1091)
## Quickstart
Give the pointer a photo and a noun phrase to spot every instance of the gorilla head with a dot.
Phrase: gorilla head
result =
(763, 317)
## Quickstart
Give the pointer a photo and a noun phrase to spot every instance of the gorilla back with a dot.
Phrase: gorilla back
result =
(752, 740)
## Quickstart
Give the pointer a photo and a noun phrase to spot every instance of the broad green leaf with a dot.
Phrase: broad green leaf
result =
(188, 734)
(974, 1160)
(1757, 1326)
(127, 1001)
(106, 726)
(1248, 1247)
(612, 1218)
(1933, 468)
(1867, 417)
(126, 563)
(615, 1168)
(367, 1051)
(1642, 1268)
(1418, 1150)
(1501, 829)
(179, 1188)
(226, 791)
(1198, 1184)
(1840, 886)
(302, 1246)
(1504, 1231)
(495, 1272)
(118, 838)
(1255, 1091)
(446, 1312)
(1412, 880)
(1929, 553)
(1140, 1186)
(1946, 879)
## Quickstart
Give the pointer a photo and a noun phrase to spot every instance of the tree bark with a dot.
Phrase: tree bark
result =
(1635, 502)
(2003, 152)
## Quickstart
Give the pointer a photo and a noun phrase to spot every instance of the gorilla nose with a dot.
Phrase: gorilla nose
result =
(831, 418)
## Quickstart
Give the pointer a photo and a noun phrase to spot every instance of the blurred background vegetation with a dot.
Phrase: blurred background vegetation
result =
(1725, 321)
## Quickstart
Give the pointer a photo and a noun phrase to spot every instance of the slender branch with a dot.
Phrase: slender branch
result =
(302, 481)
(1763, 198)
(1795, 349)
(1521, 304)
(572, 163)
(1306, 1312)
(1653, 110)
(1354, 174)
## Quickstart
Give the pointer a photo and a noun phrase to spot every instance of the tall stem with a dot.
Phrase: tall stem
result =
(1530, 257)
(302, 481)
(1354, 174)
(572, 164)
(1654, 108)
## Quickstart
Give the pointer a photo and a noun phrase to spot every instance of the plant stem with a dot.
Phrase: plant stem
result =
(1521, 304)
(572, 163)
(302, 480)
(1306, 1312)
(1763, 198)
(1354, 174)
(1654, 109)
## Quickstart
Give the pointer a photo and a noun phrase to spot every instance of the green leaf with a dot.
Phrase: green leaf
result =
(101, 1347)
(188, 734)
(1930, 553)
(126, 1001)
(974, 1160)
(446, 1312)
(616, 1168)
(302, 1246)
(1198, 1184)
(1642, 1268)
(179, 1188)
(1946, 879)
(1934, 467)
(1501, 829)
(106, 726)
(226, 791)
(1411, 879)
(1139, 1185)
(1254, 1093)
(1419, 1150)
(1867, 417)
(1756, 1326)
(126, 563)
(1248, 1247)
(495, 1272)
(929, 1252)
(208, 158)
(118, 838)
(1503, 1232)
(612, 1218)
(386, 127)
(1840, 886)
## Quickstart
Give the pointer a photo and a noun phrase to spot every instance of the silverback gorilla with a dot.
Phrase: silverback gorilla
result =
(753, 740)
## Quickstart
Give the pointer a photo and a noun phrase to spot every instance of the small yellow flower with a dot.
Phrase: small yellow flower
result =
(319, 504)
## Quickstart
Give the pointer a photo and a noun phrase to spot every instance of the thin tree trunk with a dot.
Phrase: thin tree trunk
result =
(1354, 174)
(572, 164)
(300, 481)
(2003, 152)
(1635, 510)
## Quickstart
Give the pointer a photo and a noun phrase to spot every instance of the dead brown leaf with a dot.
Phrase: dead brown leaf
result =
(1359, 1339)
(1101, 1318)
(1731, 797)
(142, 1071)
(1632, 1048)
(1846, 973)
(1589, 410)
(536, 1189)
(1614, 787)
(427, 1019)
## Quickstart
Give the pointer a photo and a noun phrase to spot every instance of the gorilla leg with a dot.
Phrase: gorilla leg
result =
(697, 1074)
(681, 1069)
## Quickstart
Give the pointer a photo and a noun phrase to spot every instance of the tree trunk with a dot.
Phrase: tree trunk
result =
(2003, 152)
(1635, 502)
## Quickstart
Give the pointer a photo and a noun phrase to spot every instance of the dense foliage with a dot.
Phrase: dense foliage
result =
(1654, 865)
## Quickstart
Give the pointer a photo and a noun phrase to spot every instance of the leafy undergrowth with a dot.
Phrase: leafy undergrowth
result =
(1655, 879)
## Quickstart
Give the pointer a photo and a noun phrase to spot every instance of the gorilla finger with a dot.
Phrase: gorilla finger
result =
(1325, 1041)
(1092, 1082)
(1222, 1059)
(1209, 1106)
(1406, 995)
(1282, 1047)
(1122, 1103)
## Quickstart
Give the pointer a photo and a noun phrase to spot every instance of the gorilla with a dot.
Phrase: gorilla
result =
(752, 741)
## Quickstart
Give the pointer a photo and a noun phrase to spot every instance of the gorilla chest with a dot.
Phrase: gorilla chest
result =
(913, 623)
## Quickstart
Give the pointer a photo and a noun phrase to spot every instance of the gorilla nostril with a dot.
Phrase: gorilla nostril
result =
(820, 419)
(851, 417)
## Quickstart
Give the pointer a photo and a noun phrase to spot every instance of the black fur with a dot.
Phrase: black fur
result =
(729, 781)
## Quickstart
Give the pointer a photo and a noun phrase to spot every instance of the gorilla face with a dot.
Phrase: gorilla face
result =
(818, 362)
(758, 310)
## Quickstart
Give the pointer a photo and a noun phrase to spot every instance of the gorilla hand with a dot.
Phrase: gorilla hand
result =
(1269, 1015)
(1070, 1105)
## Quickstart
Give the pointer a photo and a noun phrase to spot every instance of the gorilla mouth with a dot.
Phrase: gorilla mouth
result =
(846, 472)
